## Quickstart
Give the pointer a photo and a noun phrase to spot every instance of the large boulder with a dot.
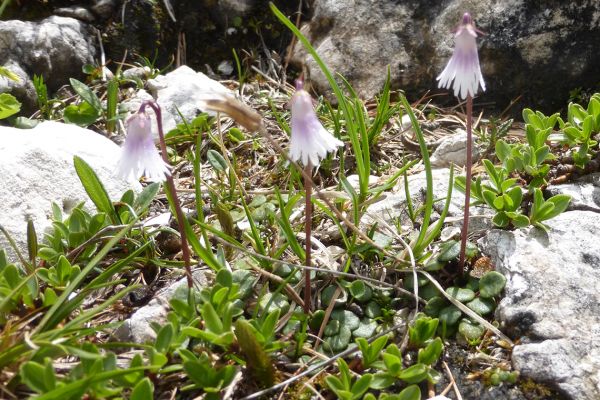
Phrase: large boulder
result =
(552, 300)
(36, 169)
(180, 94)
(538, 50)
(55, 48)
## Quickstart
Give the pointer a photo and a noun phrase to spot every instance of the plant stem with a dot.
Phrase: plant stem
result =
(307, 231)
(185, 250)
(465, 229)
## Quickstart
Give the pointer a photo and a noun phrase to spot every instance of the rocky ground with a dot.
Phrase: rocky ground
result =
(549, 307)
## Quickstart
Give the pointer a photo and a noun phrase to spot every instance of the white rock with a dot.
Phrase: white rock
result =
(393, 204)
(584, 192)
(354, 181)
(183, 91)
(36, 169)
(552, 300)
(453, 151)
(138, 328)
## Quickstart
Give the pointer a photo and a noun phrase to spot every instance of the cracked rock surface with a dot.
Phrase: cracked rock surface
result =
(552, 301)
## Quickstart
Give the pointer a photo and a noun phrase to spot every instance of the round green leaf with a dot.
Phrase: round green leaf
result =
(434, 306)
(332, 328)
(357, 288)
(482, 306)
(491, 284)
(338, 342)
(346, 318)
(460, 294)
(372, 310)
(363, 294)
(449, 252)
(450, 315)
(470, 330)
(428, 291)
(327, 295)
(365, 329)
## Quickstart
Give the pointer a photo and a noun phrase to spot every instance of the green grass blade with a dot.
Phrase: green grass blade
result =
(428, 174)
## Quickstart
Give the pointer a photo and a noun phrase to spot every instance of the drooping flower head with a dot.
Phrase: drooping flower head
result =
(463, 68)
(310, 141)
(139, 155)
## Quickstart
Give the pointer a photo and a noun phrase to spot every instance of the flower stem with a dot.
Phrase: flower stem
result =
(185, 250)
(465, 229)
(307, 231)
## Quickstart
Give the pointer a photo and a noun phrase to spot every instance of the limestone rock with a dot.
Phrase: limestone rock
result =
(36, 169)
(137, 328)
(55, 48)
(77, 12)
(182, 91)
(103, 8)
(525, 46)
(453, 151)
(552, 300)
(584, 192)
(393, 203)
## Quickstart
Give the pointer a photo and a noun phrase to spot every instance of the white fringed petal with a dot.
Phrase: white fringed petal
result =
(463, 72)
(310, 141)
(139, 155)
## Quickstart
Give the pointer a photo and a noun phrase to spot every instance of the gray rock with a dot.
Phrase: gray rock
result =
(393, 204)
(137, 73)
(552, 300)
(103, 8)
(36, 169)
(584, 192)
(80, 13)
(526, 45)
(55, 48)
(453, 151)
(137, 328)
(23, 89)
(182, 91)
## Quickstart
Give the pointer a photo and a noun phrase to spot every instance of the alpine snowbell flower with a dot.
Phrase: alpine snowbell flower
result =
(139, 155)
(463, 68)
(310, 141)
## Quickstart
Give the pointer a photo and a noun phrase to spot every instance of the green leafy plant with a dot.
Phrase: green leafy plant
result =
(543, 210)
(9, 105)
(480, 295)
(88, 110)
(206, 375)
(579, 129)
(344, 387)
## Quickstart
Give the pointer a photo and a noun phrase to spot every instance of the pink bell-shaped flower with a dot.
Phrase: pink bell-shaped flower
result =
(139, 155)
(310, 141)
(463, 72)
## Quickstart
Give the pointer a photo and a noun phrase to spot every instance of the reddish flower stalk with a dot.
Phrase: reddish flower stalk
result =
(307, 232)
(464, 232)
(463, 73)
(140, 157)
(310, 142)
